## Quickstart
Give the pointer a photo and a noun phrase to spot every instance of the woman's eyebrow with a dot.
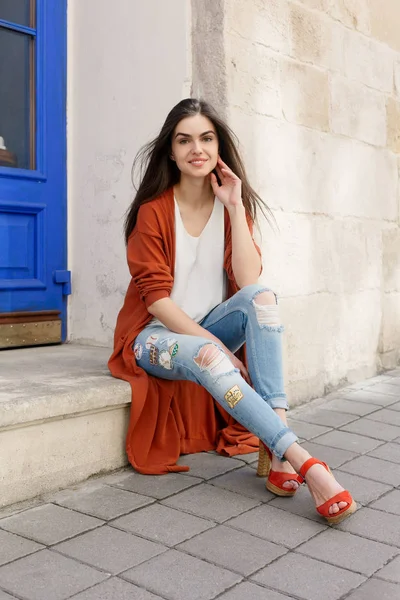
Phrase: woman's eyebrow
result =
(188, 134)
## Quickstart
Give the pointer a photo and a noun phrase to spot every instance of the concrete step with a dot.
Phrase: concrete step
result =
(63, 418)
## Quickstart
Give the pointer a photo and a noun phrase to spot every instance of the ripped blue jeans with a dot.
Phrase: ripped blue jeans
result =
(168, 355)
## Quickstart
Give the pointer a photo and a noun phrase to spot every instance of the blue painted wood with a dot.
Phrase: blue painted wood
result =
(33, 211)
(16, 27)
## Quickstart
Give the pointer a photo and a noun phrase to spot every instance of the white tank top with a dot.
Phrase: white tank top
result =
(199, 280)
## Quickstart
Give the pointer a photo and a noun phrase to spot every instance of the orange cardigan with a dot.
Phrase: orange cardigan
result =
(167, 418)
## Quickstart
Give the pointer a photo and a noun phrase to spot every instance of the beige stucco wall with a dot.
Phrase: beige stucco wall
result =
(312, 88)
(128, 64)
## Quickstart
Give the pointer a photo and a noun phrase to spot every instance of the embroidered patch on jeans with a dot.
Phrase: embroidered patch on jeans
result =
(233, 396)
(153, 355)
(151, 340)
(138, 351)
(173, 349)
(164, 359)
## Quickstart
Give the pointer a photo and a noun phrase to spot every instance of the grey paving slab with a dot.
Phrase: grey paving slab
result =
(390, 452)
(178, 576)
(301, 504)
(4, 596)
(390, 572)
(373, 468)
(322, 416)
(276, 526)
(395, 407)
(308, 578)
(13, 546)
(115, 589)
(211, 502)
(47, 575)
(251, 591)
(333, 456)
(374, 525)
(345, 405)
(348, 441)
(110, 549)
(156, 487)
(375, 589)
(385, 388)
(371, 397)
(348, 551)
(162, 524)
(392, 381)
(206, 465)
(389, 503)
(306, 431)
(373, 429)
(250, 458)
(385, 415)
(49, 524)
(103, 501)
(235, 550)
(363, 490)
(244, 481)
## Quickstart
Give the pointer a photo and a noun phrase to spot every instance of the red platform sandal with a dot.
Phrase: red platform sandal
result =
(344, 496)
(275, 479)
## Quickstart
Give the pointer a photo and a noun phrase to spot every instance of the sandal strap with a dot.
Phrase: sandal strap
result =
(341, 497)
(278, 478)
(310, 463)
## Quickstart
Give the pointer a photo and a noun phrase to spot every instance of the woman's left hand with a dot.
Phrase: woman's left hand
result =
(230, 190)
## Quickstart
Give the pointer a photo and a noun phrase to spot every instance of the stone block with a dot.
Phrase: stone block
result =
(363, 490)
(302, 505)
(178, 576)
(277, 526)
(393, 124)
(348, 551)
(371, 396)
(305, 95)
(162, 524)
(373, 589)
(251, 591)
(367, 61)
(352, 13)
(373, 429)
(347, 441)
(385, 415)
(244, 482)
(352, 407)
(109, 549)
(390, 452)
(13, 547)
(373, 468)
(149, 485)
(374, 525)
(391, 261)
(211, 502)
(207, 465)
(291, 573)
(4, 596)
(47, 574)
(390, 572)
(357, 111)
(385, 22)
(306, 431)
(250, 553)
(323, 416)
(333, 456)
(389, 503)
(115, 588)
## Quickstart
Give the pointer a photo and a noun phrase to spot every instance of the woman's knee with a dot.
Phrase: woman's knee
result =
(264, 301)
(211, 359)
(257, 293)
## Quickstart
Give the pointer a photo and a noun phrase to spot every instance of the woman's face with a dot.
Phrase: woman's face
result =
(195, 146)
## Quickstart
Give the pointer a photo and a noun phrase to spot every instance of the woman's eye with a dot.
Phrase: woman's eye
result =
(208, 139)
(183, 141)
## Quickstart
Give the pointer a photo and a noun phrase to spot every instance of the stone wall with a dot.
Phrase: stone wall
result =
(312, 88)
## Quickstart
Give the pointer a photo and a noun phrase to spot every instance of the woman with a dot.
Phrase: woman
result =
(194, 301)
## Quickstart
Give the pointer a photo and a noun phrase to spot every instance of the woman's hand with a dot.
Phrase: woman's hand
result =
(238, 365)
(230, 190)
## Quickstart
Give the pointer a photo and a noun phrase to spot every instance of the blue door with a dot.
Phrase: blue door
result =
(34, 282)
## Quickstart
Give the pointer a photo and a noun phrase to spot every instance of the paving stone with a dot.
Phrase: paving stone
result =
(4, 596)
(390, 452)
(390, 572)
(49, 524)
(373, 429)
(47, 575)
(372, 397)
(104, 502)
(333, 456)
(251, 591)
(374, 589)
(373, 468)
(389, 503)
(276, 526)
(245, 482)
(374, 525)
(206, 465)
(13, 546)
(395, 407)
(234, 550)
(250, 458)
(347, 441)
(307, 578)
(385, 415)
(348, 551)
(346, 405)
(178, 576)
(115, 589)
(321, 416)
(211, 502)
(163, 524)
(110, 549)
(363, 490)
(306, 431)
(156, 487)
(385, 388)
(301, 504)
(393, 381)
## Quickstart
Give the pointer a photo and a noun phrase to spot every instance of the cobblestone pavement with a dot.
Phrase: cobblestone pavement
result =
(216, 532)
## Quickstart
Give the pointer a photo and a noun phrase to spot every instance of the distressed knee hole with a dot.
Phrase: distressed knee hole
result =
(267, 310)
(210, 358)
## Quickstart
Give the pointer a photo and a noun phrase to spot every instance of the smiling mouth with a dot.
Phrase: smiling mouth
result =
(197, 163)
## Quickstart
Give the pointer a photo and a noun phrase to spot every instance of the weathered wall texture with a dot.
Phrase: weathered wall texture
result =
(313, 92)
(128, 64)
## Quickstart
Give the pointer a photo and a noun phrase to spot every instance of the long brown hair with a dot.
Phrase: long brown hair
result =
(158, 172)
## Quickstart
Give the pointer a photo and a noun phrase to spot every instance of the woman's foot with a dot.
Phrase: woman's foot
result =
(283, 466)
(323, 486)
